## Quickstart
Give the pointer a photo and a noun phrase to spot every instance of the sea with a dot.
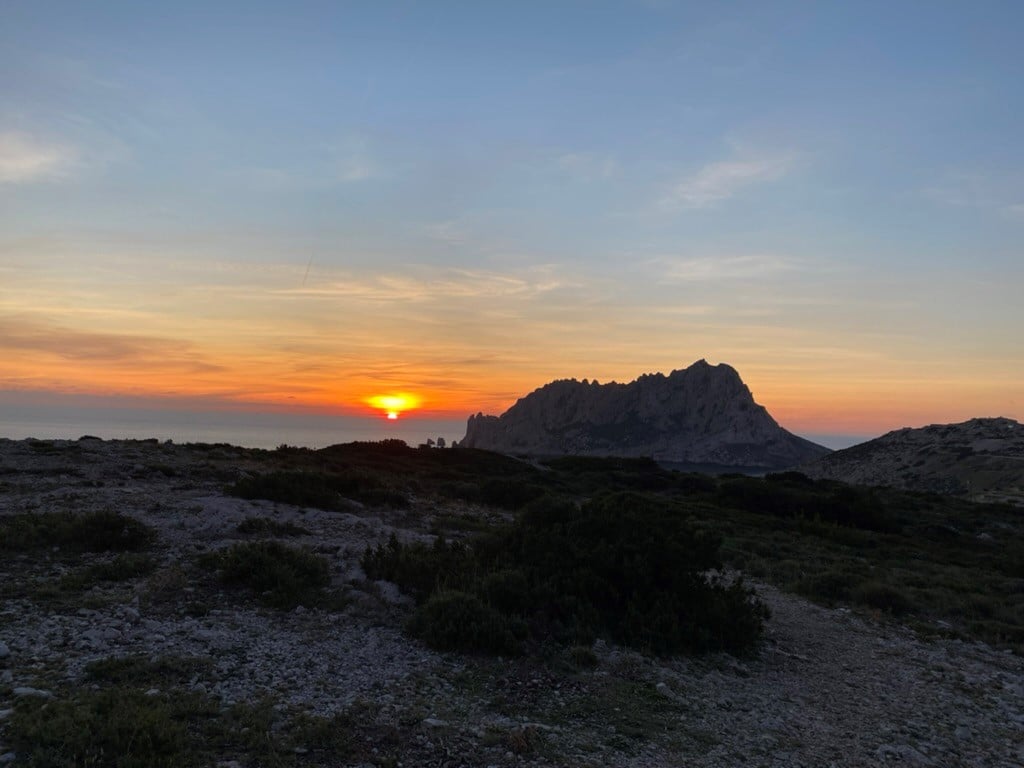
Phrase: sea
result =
(247, 429)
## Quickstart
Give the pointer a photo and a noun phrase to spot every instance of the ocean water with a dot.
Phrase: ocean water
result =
(19, 420)
(251, 430)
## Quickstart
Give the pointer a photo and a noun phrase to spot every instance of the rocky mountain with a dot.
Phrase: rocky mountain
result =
(703, 414)
(981, 458)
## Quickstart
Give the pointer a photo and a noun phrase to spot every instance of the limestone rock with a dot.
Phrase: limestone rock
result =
(703, 414)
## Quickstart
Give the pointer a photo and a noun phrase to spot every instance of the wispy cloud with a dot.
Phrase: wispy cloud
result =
(25, 159)
(708, 268)
(1014, 211)
(353, 160)
(447, 232)
(21, 335)
(963, 190)
(720, 181)
(983, 192)
(419, 284)
(587, 166)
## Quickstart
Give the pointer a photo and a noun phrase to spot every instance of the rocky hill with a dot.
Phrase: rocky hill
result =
(703, 414)
(980, 458)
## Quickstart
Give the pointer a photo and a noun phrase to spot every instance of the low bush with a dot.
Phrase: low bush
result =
(112, 723)
(322, 490)
(92, 532)
(116, 728)
(883, 597)
(122, 568)
(793, 495)
(267, 527)
(583, 656)
(460, 621)
(282, 577)
(421, 569)
(830, 586)
(143, 671)
(624, 566)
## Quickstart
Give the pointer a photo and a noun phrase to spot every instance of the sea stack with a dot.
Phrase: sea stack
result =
(703, 414)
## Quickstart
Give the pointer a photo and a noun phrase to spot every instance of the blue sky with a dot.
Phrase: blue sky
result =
(469, 199)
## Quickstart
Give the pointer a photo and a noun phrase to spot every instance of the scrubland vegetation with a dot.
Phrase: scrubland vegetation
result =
(506, 557)
(939, 563)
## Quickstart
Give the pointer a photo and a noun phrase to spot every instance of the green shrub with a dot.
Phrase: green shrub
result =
(282, 576)
(122, 568)
(116, 728)
(459, 621)
(421, 569)
(268, 527)
(92, 532)
(111, 723)
(142, 671)
(793, 495)
(583, 656)
(623, 566)
(830, 586)
(322, 490)
(884, 597)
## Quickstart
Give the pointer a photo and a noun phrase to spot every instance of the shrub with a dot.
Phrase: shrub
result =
(109, 531)
(886, 598)
(110, 722)
(792, 495)
(282, 576)
(267, 526)
(92, 532)
(143, 671)
(459, 621)
(116, 728)
(121, 568)
(583, 657)
(322, 490)
(621, 565)
(418, 568)
(830, 586)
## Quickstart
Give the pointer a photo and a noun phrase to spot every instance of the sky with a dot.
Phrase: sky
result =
(300, 206)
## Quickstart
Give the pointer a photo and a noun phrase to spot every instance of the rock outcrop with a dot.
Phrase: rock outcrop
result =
(703, 414)
(980, 458)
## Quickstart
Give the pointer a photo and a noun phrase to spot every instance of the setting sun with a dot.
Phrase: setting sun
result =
(395, 404)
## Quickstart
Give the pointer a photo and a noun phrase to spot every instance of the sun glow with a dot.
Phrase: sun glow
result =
(394, 404)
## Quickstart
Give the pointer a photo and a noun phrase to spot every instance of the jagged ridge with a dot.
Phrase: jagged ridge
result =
(703, 414)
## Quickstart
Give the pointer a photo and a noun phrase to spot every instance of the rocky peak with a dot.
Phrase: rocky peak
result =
(703, 414)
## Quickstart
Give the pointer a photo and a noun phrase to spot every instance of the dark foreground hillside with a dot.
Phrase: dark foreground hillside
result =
(372, 604)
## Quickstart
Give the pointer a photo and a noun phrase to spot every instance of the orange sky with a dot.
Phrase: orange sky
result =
(461, 340)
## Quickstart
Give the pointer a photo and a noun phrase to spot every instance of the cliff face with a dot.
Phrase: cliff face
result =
(703, 414)
(980, 458)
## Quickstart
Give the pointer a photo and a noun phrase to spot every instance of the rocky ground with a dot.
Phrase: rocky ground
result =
(827, 688)
(980, 459)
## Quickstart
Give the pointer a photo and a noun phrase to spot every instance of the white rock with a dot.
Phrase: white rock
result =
(24, 691)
